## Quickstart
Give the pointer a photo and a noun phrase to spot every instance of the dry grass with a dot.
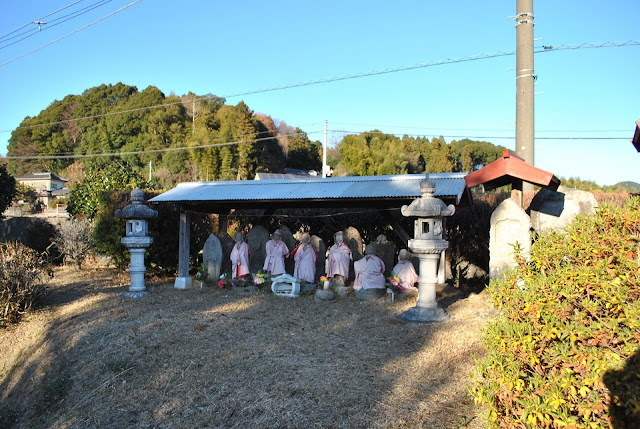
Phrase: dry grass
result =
(216, 358)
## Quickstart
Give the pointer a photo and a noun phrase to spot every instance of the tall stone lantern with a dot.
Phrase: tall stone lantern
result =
(428, 244)
(137, 240)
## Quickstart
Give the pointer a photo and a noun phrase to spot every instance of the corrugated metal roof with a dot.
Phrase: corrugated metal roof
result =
(449, 185)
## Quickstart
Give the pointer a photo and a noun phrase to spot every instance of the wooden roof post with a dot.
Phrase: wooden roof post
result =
(184, 281)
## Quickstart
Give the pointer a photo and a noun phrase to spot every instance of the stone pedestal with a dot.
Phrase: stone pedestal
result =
(137, 247)
(182, 282)
(426, 309)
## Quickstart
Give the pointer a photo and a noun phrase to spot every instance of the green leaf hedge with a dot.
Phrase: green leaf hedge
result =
(564, 352)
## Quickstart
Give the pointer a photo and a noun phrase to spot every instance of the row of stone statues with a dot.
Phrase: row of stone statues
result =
(369, 271)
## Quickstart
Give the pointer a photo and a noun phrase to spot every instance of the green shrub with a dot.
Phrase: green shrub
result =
(162, 255)
(563, 351)
(21, 272)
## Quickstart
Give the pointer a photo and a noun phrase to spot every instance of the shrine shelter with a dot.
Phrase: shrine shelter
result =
(375, 192)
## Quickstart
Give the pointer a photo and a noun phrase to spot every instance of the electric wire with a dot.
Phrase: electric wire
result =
(54, 22)
(485, 137)
(44, 16)
(141, 152)
(69, 34)
(589, 45)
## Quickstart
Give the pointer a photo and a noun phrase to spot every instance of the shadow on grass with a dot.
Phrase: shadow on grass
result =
(218, 358)
(624, 405)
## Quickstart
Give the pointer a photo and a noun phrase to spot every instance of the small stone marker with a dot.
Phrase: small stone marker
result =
(212, 258)
(286, 285)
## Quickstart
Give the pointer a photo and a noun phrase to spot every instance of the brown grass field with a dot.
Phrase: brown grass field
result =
(91, 358)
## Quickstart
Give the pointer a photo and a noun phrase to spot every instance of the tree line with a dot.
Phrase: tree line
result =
(230, 142)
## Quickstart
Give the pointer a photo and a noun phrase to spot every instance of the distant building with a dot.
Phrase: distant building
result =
(46, 185)
(289, 173)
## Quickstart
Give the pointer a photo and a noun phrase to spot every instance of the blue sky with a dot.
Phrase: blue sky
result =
(226, 48)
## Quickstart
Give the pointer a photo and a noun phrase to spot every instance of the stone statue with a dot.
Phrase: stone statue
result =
(239, 257)
(339, 257)
(369, 271)
(405, 271)
(276, 251)
(305, 257)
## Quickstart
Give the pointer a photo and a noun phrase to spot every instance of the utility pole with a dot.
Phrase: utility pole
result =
(324, 151)
(150, 170)
(193, 116)
(525, 78)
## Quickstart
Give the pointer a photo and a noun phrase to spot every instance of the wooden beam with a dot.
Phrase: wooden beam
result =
(397, 227)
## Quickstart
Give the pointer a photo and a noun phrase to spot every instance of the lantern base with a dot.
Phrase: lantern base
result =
(425, 315)
(136, 294)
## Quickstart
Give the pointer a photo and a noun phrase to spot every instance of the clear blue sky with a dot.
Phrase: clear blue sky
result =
(224, 47)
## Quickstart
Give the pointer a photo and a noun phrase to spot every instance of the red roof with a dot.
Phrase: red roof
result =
(508, 170)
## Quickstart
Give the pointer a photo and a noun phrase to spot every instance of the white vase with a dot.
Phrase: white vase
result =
(327, 283)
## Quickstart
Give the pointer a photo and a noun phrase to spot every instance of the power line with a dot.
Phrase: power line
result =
(485, 137)
(471, 129)
(51, 24)
(544, 49)
(44, 16)
(142, 152)
(69, 34)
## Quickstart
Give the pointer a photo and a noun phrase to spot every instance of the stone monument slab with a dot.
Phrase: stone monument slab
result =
(321, 253)
(509, 225)
(287, 238)
(353, 240)
(212, 258)
(257, 238)
(227, 246)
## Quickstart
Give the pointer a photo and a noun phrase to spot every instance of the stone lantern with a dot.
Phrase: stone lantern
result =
(428, 244)
(137, 240)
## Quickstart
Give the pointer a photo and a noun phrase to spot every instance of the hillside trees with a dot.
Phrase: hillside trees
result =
(229, 142)
(375, 153)
(193, 137)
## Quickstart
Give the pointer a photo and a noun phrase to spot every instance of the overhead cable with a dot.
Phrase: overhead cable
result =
(141, 152)
(54, 22)
(44, 16)
(69, 34)
(340, 78)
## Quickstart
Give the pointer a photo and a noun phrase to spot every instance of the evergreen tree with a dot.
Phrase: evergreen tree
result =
(7, 189)
(303, 154)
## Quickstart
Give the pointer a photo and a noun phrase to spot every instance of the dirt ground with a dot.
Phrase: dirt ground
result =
(91, 358)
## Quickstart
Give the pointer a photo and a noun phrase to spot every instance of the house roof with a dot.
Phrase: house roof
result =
(352, 191)
(42, 176)
(508, 170)
(636, 136)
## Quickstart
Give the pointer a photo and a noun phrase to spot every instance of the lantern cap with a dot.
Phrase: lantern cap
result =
(427, 206)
